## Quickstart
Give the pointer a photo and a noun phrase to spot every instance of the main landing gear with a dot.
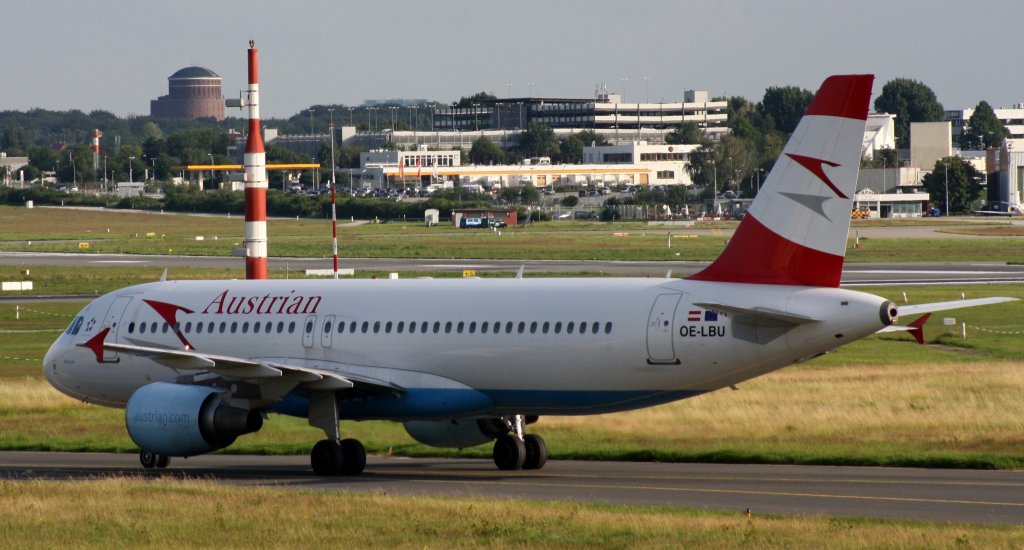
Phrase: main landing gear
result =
(519, 451)
(151, 460)
(334, 455)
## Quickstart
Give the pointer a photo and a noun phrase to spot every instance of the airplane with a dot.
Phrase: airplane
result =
(1001, 209)
(197, 364)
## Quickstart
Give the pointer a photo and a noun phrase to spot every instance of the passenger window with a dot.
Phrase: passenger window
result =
(291, 327)
(423, 327)
(234, 326)
(165, 328)
(508, 328)
(448, 327)
(522, 326)
(608, 328)
(483, 328)
(309, 327)
(223, 326)
(461, 325)
(558, 327)
(280, 327)
(142, 328)
(188, 327)
(366, 327)
(412, 327)
(256, 328)
(352, 327)
(387, 327)
(547, 325)
(341, 327)
(376, 327)
(533, 327)
(327, 327)
(266, 328)
(437, 326)
(472, 327)
(131, 328)
(400, 327)
(245, 327)
(595, 327)
(583, 327)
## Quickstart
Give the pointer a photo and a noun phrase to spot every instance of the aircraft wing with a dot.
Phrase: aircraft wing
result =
(240, 368)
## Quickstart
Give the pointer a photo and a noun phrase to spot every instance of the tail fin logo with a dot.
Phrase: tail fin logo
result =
(817, 167)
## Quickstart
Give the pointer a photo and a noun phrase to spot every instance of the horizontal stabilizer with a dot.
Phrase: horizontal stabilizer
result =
(916, 329)
(914, 309)
(759, 316)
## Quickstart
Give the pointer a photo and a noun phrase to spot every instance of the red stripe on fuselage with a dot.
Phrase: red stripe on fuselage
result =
(844, 96)
(255, 204)
(757, 255)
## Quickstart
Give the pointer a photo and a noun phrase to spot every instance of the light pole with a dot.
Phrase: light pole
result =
(210, 156)
(945, 164)
(625, 84)
(130, 159)
(647, 85)
(350, 123)
(476, 116)
(104, 173)
(74, 177)
(310, 121)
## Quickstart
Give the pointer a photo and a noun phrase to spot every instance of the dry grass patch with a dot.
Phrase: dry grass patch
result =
(858, 411)
(140, 512)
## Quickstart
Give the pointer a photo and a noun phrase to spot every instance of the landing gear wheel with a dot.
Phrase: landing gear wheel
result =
(326, 458)
(509, 452)
(536, 452)
(151, 460)
(354, 457)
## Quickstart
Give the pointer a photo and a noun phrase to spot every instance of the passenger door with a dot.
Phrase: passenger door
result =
(661, 328)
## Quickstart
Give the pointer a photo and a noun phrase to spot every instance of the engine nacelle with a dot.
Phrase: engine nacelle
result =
(182, 420)
(457, 432)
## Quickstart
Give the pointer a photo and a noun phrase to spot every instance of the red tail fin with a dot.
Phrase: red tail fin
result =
(795, 231)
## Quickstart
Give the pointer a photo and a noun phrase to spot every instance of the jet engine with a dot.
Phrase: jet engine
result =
(182, 420)
(458, 432)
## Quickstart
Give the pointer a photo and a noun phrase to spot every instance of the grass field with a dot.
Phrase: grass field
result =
(149, 512)
(62, 230)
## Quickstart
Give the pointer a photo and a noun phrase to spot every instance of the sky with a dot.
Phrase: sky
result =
(116, 55)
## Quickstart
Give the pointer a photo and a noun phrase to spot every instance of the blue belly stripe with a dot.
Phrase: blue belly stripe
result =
(430, 403)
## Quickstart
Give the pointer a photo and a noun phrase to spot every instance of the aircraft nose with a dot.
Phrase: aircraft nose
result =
(56, 351)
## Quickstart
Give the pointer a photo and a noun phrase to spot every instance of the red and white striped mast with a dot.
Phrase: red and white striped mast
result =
(334, 209)
(255, 162)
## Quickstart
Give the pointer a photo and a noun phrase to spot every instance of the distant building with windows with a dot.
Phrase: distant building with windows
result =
(607, 113)
(1012, 118)
(193, 92)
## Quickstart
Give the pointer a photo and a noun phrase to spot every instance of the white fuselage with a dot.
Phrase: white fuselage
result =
(522, 346)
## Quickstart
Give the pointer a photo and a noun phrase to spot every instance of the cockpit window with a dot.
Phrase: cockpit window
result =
(75, 326)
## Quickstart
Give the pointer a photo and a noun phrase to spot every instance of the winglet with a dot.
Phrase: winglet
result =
(96, 344)
(917, 328)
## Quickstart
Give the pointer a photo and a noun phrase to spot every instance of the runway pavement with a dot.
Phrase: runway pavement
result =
(853, 274)
(895, 493)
